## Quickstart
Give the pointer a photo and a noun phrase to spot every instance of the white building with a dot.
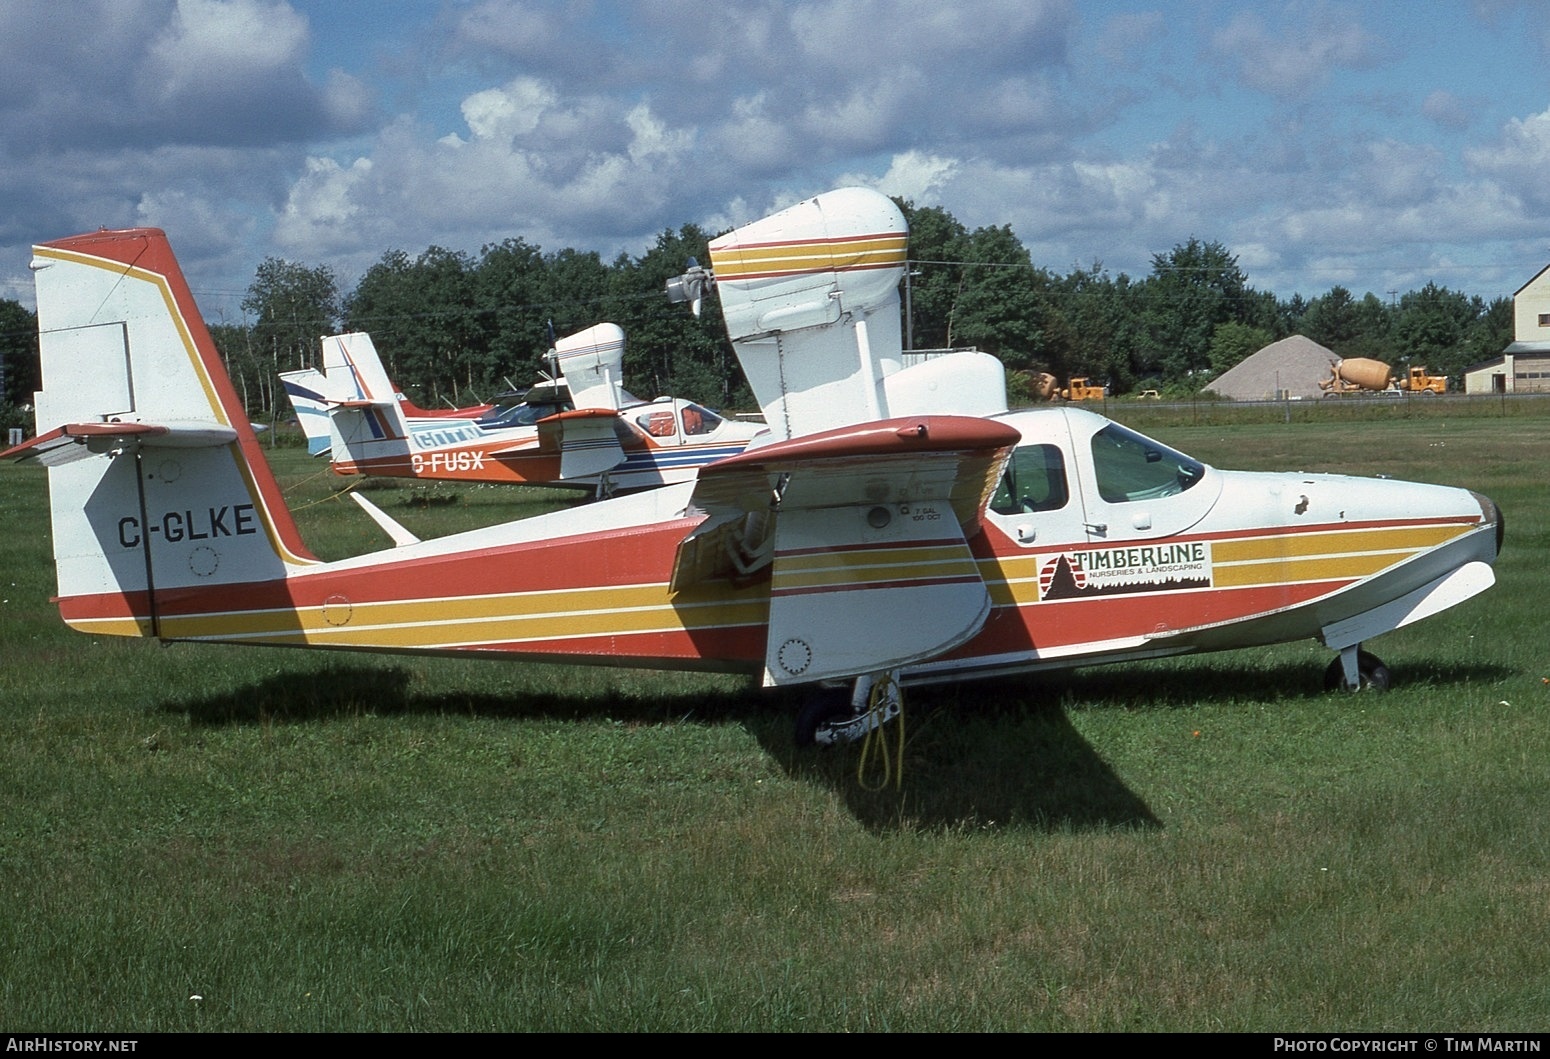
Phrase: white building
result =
(1524, 366)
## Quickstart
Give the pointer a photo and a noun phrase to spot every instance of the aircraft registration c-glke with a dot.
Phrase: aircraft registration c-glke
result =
(897, 524)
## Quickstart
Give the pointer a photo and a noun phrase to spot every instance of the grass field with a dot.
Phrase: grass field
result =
(305, 841)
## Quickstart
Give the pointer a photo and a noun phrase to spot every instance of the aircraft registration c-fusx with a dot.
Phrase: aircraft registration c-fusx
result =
(898, 524)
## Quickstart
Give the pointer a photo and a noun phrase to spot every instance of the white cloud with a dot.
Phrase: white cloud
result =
(511, 28)
(1519, 159)
(509, 111)
(324, 199)
(1302, 51)
(913, 175)
(209, 43)
(653, 139)
(598, 123)
(752, 139)
(1446, 110)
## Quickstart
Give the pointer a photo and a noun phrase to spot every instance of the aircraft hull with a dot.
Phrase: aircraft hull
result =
(603, 597)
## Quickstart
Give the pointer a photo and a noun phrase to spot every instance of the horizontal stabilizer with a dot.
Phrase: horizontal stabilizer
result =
(77, 441)
(305, 387)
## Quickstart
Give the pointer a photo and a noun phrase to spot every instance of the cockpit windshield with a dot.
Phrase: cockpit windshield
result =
(521, 414)
(1130, 466)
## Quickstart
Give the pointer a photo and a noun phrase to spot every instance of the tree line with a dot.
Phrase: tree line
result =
(456, 328)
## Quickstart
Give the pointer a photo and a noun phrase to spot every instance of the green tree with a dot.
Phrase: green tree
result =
(510, 287)
(293, 306)
(1431, 326)
(251, 368)
(1332, 320)
(1373, 333)
(1001, 303)
(1193, 289)
(423, 316)
(667, 348)
(935, 279)
(19, 377)
(1491, 333)
(1232, 342)
(1104, 320)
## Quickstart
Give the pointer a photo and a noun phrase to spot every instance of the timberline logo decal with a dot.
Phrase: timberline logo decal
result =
(1122, 571)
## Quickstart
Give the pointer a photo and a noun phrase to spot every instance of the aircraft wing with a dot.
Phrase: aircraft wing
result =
(865, 532)
(77, 441)
(586, 440)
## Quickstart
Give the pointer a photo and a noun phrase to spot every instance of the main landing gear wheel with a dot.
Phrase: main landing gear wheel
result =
(833, 715)
(1373, 675)
(822, 705)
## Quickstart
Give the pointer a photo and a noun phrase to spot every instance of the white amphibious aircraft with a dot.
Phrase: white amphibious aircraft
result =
(585, 429)
(899, 526)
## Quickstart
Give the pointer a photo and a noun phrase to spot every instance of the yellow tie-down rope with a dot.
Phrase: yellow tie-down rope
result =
(890, 760)
(308, 480)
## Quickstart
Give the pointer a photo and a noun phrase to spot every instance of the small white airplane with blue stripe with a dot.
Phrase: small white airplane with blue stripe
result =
(583, 430)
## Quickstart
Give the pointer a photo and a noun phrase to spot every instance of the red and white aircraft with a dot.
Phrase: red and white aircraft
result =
(584, 429)
(901, 524)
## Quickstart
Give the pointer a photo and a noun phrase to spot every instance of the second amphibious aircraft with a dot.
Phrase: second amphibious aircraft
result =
(581, 429)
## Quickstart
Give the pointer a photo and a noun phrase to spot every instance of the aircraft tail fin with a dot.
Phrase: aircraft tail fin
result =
(365, 409)
(158, 488)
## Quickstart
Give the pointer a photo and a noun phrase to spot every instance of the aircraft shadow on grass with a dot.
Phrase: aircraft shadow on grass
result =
(995, 755)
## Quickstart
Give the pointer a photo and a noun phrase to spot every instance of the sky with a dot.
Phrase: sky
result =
(1378, 145)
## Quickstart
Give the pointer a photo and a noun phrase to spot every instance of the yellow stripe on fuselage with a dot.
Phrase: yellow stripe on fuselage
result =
(860, 568)
(1339, 555)
(1292, 545)
(1282, 558)
(506, 619)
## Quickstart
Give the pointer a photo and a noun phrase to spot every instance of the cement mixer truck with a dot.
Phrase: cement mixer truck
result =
(1364, 375)
(1081, 390)
(1357, 375)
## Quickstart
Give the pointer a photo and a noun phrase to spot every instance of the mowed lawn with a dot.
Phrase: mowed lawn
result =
(223, 838)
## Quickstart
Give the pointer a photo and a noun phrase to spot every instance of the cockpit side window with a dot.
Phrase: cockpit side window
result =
(698, 420)
(1128, 466)
(658, 424)
(1035, 480)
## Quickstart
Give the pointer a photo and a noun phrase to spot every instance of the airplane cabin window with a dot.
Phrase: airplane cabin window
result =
(1128, 466)
(657, 424)
(698, 420)
(1035, 480)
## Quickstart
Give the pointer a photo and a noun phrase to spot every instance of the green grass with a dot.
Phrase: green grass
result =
(359, 842)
